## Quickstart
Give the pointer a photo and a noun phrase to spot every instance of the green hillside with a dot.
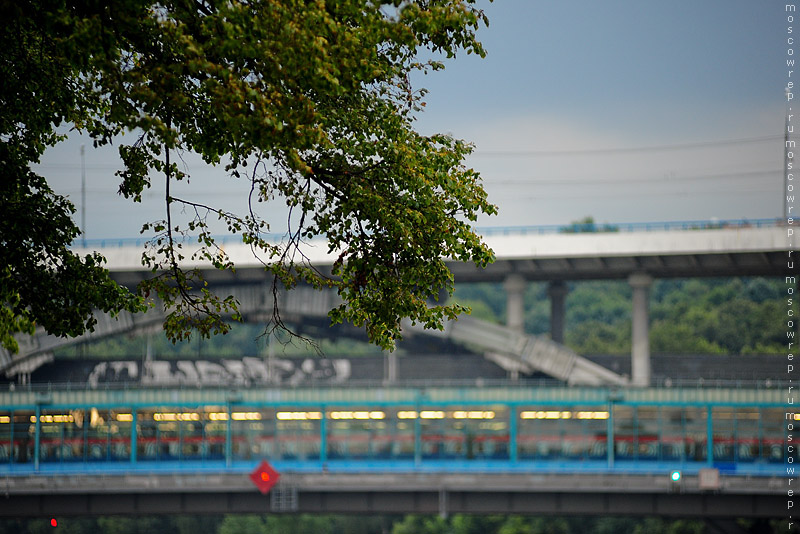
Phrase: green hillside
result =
(701, 316)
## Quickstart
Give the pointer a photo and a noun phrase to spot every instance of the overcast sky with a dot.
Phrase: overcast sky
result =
(624, 110)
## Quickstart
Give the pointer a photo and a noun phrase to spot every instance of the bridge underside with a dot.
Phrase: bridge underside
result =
(519, 351)
(390, 493)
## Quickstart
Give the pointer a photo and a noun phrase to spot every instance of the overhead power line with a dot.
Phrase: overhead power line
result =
(638, 194)
(523, 153)
(652, 148)
(585, 181)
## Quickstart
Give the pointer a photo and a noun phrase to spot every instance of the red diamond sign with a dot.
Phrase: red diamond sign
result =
(264, 477)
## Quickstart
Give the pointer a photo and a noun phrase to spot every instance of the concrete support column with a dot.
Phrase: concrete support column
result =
(515, 286)
(640, 343)
(558, 296)
(390, 368)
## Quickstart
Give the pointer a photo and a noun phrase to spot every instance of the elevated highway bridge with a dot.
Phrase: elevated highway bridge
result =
(638, 253)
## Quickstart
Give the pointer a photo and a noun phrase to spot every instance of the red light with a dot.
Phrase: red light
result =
(264, 477)
(53, 522)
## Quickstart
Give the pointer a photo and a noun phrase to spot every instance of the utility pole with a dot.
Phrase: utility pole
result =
(83, 195)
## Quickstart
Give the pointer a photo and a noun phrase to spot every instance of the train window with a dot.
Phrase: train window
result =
(359, 432)
(253, 432)
(190, 433)
(625, 432)
(6, 436)
(159, 432)
(470, 432)
(215, 429)
(647, 439)
(672, 434)
(724, 428)
(401, 423)
(773, 435)
(297, 436)
(574, 432)
(96, 435)
(433, 434)
(52, 446)
(747, 446)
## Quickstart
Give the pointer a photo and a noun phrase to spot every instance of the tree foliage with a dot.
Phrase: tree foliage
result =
(309, 100)
(41, 281)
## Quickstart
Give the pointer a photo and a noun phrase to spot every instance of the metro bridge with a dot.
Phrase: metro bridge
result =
(528, 448)
(607, 445)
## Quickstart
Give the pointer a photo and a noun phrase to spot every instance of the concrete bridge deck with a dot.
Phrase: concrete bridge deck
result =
(393, 493)
(734, 251)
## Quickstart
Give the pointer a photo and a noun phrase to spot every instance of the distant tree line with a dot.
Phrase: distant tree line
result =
(698, 315)
(409, 524)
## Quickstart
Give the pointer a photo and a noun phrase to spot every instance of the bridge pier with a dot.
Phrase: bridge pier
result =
(558, 296)
(515, 285)
(640, 342)
(390, 373)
